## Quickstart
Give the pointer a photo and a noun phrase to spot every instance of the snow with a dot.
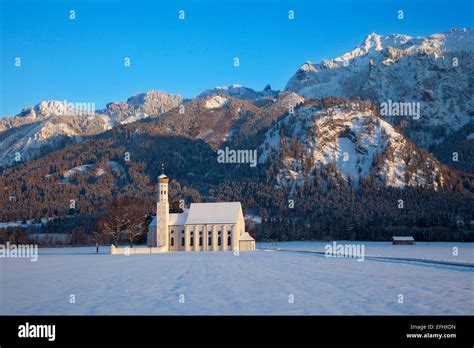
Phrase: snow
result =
(134, 118)
(216, 102)
(79, 169)
(29, 223)
(114, 166)
(402, 238)
(175, 219)
(403, 68)
(100, 172)
(350, 138)
(440, 251)
(212, 213)
(246, 237)
(29, 139)
(15, 224)
(254, 217)
(238, 91)
(259, 282)
(346, 148)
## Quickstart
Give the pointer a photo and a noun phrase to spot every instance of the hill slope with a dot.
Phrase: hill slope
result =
(437, 72)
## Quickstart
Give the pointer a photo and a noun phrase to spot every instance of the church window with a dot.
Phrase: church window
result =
(182, 231)
(229, 237)
(182, 241)
(209, 240)
(172, 241)
(200, 241)
(191, 242)
(219, 241)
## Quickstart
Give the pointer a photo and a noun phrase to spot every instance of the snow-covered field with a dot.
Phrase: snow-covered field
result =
(285, 281)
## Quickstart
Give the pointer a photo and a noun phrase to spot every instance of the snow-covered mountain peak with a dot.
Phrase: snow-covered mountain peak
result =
(435, 72)
(142, 105)
(240, 92)
(308, 66)
(28, 141)
(48, 108)
(152, 99)
(351, 137)
(51, 124)
(376, 42)
(234, 86)
(372, 42)
(374, 46)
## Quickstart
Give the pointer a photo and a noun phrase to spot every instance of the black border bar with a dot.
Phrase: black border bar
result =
(222, 330)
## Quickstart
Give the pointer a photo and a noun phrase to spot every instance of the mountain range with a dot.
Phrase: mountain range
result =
(327, 138)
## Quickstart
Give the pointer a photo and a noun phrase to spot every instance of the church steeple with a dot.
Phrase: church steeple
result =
(162, 212)
(163, 186)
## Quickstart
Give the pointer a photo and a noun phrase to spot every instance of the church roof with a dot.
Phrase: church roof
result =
(206, 213)
(163, 178)
(213, 213)
(178, 219)
(175, 219)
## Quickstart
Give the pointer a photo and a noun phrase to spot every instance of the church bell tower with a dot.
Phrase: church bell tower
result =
(162, 211)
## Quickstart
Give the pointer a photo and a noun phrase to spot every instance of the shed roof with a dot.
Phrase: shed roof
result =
(246, 237)
(403, 238)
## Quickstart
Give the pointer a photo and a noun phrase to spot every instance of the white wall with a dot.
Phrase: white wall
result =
(130, 251)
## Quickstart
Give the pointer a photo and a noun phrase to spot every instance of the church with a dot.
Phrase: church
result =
(202, 227)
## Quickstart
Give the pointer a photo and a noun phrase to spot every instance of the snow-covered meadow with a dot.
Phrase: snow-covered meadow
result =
(281, 278)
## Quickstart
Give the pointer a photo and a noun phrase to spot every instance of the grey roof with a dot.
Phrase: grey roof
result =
(246, 236)
(213, 213)
(175, 219)
(206, 213)
(409, 238)
(178, 219)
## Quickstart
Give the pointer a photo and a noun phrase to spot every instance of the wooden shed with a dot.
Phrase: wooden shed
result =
(246, 242)
(403, 240)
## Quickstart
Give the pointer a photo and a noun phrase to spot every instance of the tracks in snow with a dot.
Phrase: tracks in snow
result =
(389, 259)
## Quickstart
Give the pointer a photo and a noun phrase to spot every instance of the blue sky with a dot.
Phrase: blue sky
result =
(81, 60)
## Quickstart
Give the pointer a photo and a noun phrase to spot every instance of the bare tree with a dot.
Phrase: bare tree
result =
(135, 224)
(99, 234)
(123, 215)
(114, 220)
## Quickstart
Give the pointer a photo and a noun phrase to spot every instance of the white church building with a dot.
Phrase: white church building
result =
(202, 227)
